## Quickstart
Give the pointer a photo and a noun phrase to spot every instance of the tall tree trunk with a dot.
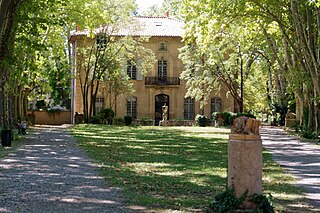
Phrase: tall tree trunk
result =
(8, 9)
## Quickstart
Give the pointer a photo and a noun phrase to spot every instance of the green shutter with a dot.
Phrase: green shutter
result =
(139, 69)
(124, 69)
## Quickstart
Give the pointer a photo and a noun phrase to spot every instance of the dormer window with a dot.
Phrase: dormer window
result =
(163, 46)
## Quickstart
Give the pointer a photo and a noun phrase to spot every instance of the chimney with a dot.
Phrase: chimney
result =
(78, 28)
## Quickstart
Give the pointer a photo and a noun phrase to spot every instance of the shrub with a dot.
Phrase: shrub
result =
(146, 122)
(263, 203)
(228, 118)
(201, 120)
(309, 134)
(107, 115)
(118, 121)
(245, 114)
(96, 119)
(127, 120)
(228, 202)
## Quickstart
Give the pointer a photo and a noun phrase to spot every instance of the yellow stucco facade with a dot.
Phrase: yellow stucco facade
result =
(151, 91)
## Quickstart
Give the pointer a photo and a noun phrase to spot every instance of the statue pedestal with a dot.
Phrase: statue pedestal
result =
(245, 164)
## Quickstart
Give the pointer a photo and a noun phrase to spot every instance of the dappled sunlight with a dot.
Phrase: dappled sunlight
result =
(160, 165)
(134, 147)
(174, 167)
(54, 173)
(211, 135)
(286, 196)
(212, 130)
(171, 173)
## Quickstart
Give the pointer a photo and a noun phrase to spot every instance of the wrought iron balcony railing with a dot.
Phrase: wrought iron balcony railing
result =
(160, 81)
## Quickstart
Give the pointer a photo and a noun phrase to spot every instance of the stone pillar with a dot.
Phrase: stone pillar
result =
(245, 164)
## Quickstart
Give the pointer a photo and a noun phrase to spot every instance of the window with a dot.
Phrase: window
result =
(99, 104)
(189, 108)
(162, 46)
(162, 68)
(132, 70)
(215, 104)
(132, 107)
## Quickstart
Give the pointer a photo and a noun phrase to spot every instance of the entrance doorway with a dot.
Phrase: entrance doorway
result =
(160, 100)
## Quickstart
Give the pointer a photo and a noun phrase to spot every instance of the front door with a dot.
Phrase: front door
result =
(161, 100)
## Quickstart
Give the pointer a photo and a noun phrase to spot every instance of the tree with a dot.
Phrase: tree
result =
(102, 54)
(224, 58)
(7, 13)
(26, 25)
(291, 30)
(39, 54)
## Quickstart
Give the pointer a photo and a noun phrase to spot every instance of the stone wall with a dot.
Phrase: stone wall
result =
(51, 118)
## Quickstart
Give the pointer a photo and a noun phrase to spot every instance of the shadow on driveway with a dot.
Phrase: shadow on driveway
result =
(299, 158)
(51, 174)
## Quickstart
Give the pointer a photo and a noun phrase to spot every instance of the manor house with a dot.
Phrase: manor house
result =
(162, 86)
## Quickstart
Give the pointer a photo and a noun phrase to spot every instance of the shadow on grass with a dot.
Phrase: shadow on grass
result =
(165, 169)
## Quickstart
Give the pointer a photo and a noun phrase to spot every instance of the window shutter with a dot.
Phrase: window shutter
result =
(124, 70)
(139, 69)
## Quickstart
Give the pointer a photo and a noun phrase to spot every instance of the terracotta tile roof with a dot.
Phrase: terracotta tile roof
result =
(145, 26)
(154, 26)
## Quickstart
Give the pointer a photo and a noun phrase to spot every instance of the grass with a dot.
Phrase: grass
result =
(165, 169)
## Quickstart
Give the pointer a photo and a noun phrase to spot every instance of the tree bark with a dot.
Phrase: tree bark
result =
(8, 9)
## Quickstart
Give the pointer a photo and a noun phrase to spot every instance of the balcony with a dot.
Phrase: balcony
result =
(162, 81)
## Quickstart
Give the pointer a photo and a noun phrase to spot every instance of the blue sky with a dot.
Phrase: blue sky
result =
(145, 4)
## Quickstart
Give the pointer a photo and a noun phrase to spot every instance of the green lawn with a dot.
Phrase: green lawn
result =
(182, 168)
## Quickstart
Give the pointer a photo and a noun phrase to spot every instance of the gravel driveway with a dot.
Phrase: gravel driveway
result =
(51, 174)
(301, 159)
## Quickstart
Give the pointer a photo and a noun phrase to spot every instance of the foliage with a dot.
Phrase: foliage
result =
(262, 44)
(228, 117)
(226, 58)
(128, 120)
(40, 104)
(263, 203)
(107, 115)
(226, 201)
(245, 114)
(41, 60)
(103, 56)
(119, 121)
(201, 120)
(144, 121)
(96, 119)
(309, 134)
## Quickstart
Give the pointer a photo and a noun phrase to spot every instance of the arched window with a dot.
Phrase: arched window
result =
(189, 108)
(163, 46)
(132, 106)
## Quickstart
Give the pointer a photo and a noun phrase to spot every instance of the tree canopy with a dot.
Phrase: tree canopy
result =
(279, 39)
